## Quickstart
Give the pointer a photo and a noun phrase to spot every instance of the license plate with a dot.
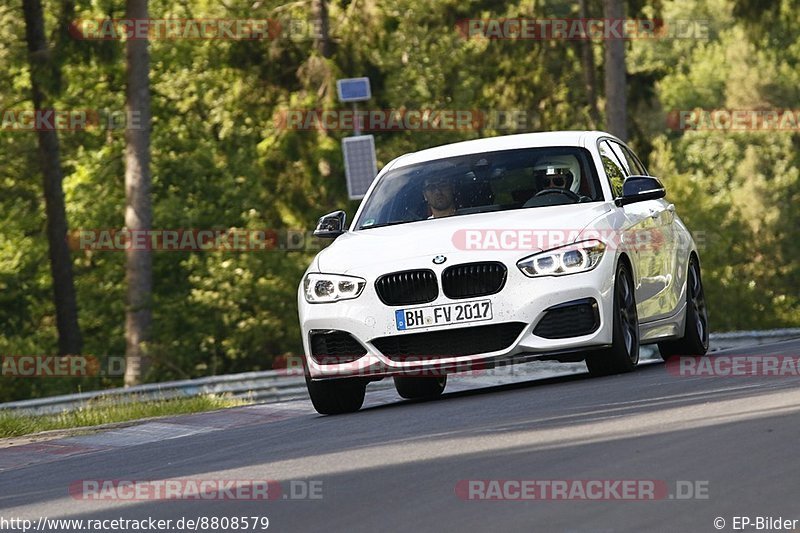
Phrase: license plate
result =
(442, 315)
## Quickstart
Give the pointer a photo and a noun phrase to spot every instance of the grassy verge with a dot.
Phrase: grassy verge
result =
(108, 411)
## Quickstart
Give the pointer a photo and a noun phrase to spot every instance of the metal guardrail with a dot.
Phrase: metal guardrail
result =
(270, 385)
(280, 385)
(741, 339)
(787, 333)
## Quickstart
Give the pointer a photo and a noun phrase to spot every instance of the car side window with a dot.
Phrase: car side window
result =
(617, 149)
(633, 162)
(614, 169)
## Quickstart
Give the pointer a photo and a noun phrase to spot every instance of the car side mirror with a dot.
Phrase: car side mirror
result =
(331, 225)
(639, 189)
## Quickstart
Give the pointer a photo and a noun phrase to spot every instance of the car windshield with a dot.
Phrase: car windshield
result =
(479, 183)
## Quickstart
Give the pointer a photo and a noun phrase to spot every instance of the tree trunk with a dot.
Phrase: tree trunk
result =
(42, 71)
(589, 80)
(319, 11)
(138, 209)
(616, 113)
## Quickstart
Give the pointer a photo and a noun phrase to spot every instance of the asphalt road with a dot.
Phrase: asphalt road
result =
(395, 465)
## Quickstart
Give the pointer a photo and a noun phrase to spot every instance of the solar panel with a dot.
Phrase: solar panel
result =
(360, 164)
(353, 89)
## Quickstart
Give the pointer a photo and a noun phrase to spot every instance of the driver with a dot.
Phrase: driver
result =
(558, 173)
(440, 196)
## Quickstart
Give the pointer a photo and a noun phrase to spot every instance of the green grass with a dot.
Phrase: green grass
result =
(106, 411)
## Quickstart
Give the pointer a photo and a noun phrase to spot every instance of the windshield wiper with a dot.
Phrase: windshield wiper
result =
(384, 224)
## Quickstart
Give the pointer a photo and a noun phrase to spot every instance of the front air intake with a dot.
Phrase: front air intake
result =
(407, 287)
(473, 279)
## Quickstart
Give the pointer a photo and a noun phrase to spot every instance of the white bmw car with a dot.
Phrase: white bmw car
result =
(541, 246)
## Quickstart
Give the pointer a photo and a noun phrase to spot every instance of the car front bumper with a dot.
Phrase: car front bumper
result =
(522, 299)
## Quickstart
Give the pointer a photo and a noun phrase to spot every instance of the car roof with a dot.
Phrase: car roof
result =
(503, 142)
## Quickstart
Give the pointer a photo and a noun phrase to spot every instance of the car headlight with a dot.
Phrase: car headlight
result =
(323, 288)
(570, 259)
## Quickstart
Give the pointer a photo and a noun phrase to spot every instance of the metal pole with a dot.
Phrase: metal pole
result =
(356, 120)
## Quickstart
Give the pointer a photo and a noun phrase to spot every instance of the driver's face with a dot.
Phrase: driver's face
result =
(439, 195)
(555, 181)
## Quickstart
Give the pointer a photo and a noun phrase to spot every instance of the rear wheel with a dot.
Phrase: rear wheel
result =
(336, 396)
(695, 330)
(623, 356)
(415, 388)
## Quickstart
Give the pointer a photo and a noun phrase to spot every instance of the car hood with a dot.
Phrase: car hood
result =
(461, 238)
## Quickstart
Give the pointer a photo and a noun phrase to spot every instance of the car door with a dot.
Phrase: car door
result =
(656, 245)
(639, 230)
(669, 249)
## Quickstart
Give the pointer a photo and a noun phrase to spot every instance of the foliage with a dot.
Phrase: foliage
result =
(220, 159)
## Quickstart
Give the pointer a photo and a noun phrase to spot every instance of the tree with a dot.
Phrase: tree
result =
(43, 75)
(219, 159)
(615, 84)
(138, 208)
(587, 63)
(319, 12)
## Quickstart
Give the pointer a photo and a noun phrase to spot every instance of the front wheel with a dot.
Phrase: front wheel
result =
(336, 396)
(623, 356)
(414, 388)
(695, 330)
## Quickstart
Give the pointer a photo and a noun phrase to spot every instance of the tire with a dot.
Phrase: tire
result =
(623, 355)
(695, 329)
(420, 388)
(336, 396)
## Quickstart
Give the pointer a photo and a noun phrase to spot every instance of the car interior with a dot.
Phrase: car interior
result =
(481, 183)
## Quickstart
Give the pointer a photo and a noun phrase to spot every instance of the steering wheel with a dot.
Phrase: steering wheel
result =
(566, 192)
